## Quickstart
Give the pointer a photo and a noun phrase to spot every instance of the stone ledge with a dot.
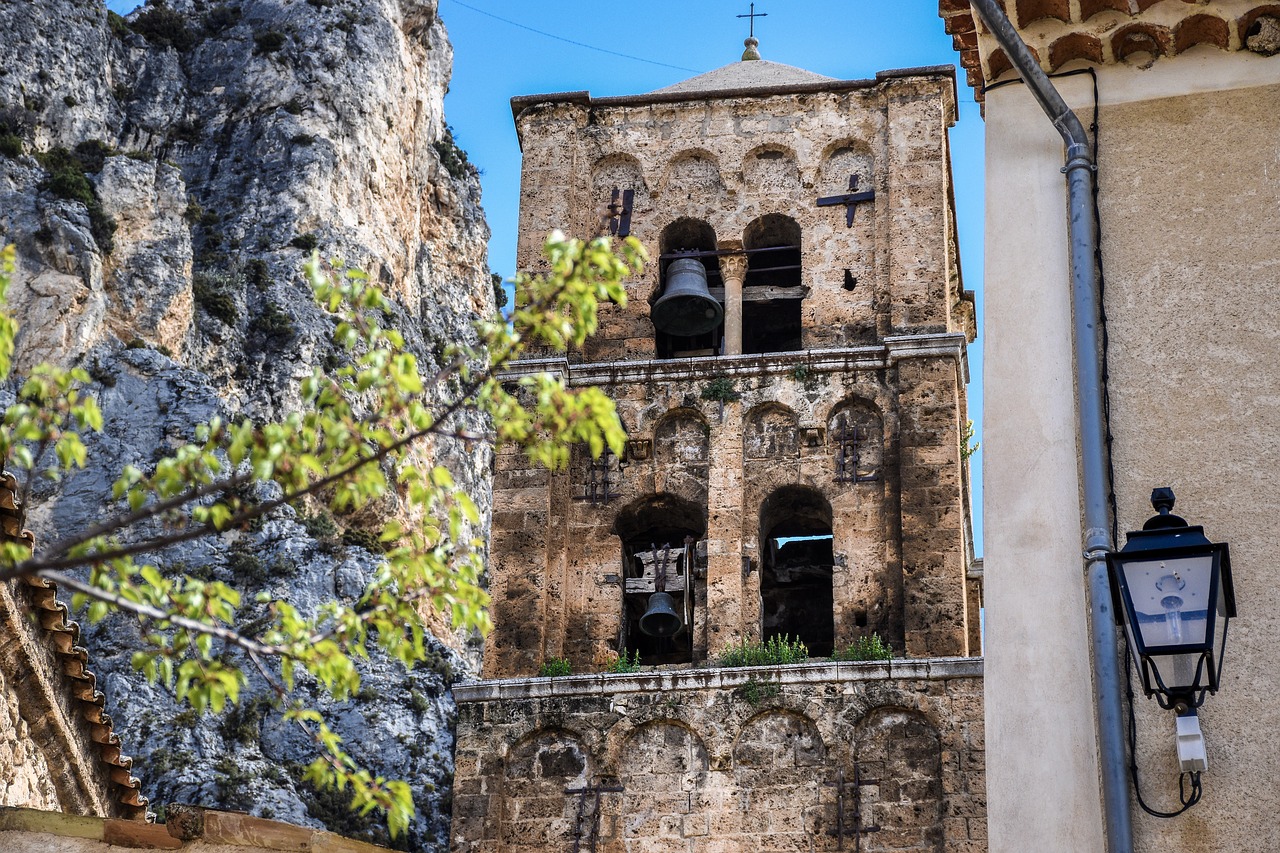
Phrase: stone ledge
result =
(728, 678)
(831, 360)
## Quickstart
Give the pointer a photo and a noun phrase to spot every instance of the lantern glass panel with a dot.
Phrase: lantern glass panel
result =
(1171, 601)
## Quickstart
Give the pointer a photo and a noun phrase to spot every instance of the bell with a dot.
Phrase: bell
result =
(686, 308)
(660, 619)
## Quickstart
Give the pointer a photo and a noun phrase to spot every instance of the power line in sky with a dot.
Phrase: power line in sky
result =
(571, 41)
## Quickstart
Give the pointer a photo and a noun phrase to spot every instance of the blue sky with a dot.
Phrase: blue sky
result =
(533, 51)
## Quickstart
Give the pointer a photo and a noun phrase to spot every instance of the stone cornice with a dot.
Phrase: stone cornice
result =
(1099, 32)
(833, 360)
(667, 681)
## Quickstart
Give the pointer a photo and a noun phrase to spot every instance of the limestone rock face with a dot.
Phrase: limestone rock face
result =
(163, 181)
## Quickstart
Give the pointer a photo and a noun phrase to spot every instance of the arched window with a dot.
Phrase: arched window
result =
(659, 534)
(772, 291)
(797, 560)
(689, 237)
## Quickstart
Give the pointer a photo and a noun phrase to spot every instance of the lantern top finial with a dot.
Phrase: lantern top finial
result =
(1162, 501)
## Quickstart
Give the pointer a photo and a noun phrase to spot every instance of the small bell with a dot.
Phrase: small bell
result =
(660, 619)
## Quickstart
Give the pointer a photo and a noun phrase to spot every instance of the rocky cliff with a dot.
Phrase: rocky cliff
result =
(163, 177)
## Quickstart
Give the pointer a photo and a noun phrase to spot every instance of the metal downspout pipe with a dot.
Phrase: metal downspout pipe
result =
(1086, 305)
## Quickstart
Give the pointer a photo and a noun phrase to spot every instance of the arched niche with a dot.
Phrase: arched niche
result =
(772, 431)
(903, 750)
(696, 238)
(777, 741)
(855, 432)
(681, 450)
(772, 291)
(617, 183)
(693, 176)
(797, 562)
(662, 765)
(658, 534)
(621, 171)
(536, 773)
(771, 169)
(844, 160)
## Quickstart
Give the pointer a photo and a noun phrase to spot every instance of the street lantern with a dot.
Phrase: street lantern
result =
(1173, 589)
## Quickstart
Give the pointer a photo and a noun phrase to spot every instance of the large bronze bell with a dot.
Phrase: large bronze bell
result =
(686, 307)
(661, 619)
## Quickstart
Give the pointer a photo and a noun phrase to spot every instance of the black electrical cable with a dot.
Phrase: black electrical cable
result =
(1197, 791)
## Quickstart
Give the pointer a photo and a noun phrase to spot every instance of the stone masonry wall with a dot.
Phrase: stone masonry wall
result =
(737, 760)
(848, 424)
(557, 558)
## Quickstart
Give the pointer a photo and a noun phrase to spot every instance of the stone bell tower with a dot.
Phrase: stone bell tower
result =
(790, 370)
(801, 422)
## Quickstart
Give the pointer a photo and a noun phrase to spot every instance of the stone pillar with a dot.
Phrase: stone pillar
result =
(733, 269)
(933, 539)
(725, 588)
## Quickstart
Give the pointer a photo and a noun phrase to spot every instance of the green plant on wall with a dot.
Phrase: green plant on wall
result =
(756, 691)
(555, 668)
(625, 663)
(720, 389)
(774, 651)
(968, 446)
(865, 648)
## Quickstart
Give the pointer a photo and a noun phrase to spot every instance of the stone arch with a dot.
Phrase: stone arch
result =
(687, 235)
(777, 741)
(662, 765)
(656, 531)
(778, 772)
(772, 290)
(855, 432)
(1201, 29)
(797, 566)
(537, 815)
(771, 169)
(693, 175)
(903, 749)
(616, 170)
(681, 452)
(772, 431)
(1074, 46)
(845, 158)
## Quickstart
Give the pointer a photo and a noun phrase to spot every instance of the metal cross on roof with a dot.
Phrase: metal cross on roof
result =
(752, 31)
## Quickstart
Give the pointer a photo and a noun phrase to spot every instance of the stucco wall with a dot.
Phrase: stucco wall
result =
(1189, 190)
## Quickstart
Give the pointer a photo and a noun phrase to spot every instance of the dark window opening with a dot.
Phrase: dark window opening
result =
(771, 290)
(690, 235)
(796, 593)
(659, 534)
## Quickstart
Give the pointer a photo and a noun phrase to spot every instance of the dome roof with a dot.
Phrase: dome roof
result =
(745, 75)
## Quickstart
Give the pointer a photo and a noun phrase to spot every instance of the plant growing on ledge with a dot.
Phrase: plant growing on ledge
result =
(350, 444)
(865, 648)
(772, 652)
(555, 668)
(625, 663)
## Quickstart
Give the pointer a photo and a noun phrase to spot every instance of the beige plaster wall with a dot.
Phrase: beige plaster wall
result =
(1189, 189)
